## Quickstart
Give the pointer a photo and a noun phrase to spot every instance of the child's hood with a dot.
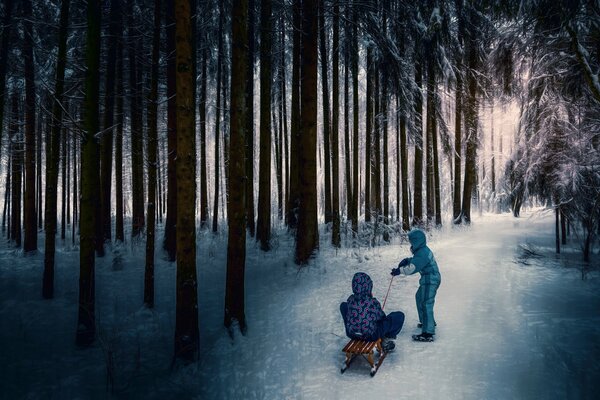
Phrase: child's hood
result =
(417, 239)
(362, 284)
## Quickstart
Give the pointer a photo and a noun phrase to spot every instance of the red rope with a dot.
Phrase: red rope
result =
(388, 292)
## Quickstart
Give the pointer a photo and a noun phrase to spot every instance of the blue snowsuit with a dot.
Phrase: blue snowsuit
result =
(363, 316)
(424, 263)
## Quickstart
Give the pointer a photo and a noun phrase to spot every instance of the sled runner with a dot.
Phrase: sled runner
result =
(365, 349)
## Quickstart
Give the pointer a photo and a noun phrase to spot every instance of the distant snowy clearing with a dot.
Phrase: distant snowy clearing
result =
(514, 321)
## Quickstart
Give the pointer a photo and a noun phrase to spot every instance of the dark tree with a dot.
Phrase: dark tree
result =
(236, 205)
(307, 236)
(294, 191)
(263, 224)
(137, 131)
(152, 160)
(86, 321)
(326, 115)
(106, 144)
(249, 133)
(4, 47)
(218, 117)
(335, 123)
(16, 146)
(52, 153)
(170, 234)
(29, 214)
(186, 315)
(418, 135)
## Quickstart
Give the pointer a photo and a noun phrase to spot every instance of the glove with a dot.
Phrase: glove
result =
(404, 262)
(395, 271)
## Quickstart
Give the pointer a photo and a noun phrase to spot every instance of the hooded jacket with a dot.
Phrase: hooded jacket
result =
(363, 309)
(422, 260)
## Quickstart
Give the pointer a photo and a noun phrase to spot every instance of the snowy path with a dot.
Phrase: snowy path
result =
(505, 330)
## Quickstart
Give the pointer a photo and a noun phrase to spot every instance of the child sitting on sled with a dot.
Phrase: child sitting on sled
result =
(424, 263)
(364, 318)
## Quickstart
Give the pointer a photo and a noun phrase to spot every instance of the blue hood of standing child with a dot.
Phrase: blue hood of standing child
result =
(417, 239)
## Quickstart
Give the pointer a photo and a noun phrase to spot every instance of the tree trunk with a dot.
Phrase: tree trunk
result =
(556, 228)
(152, 160)
(369, 133)
(63, 161)
(430, 201)
(218, 119)
(249, 134)
(294, 196)
(472, 134)
(16, 141)
(38, 174)
(6, 208)
(335, 234)
(86, 322)
(349, 200)
(286, 152)
(75, 192)
(186, 315)
(456, 203)
(137, 132)
(236, 206)
(307, 238)
(563, 227)
(436, 165)
(4, 47)
(30, 220)
(356, 163)
(106, 144)
(386, 188)
(170, 244)
(263, 225)
(52, 152)
(119, 229)
(418, 168)
(326, 115)
(203, 165)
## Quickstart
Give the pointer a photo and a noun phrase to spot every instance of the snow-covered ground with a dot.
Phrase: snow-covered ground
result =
(509, 326)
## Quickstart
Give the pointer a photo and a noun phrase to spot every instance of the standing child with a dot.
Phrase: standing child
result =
(424, 263)
(364, 318)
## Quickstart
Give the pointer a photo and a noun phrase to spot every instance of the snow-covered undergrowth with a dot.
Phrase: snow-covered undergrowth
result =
(514, 321)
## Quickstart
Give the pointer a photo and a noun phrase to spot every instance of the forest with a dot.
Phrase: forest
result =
(159, 127)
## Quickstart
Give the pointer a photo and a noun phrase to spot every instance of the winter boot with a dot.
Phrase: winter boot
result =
(423, 337)
(388, 345)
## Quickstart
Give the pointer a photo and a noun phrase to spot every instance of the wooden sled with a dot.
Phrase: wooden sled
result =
(365, 349)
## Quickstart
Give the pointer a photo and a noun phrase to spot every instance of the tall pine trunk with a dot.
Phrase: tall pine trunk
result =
(106, 144)
(169, 243)
(326, 115)
(16, 146)
(86, 321)
(263, 224)
(456, 202)
(472, 131)
(152, 160)
(335, 122)
(355, 156)
(52, 152)
(4, 47)
(215, 220)
(186, 314)
(418, 168)
(294, 194)
(249, 124)
(307, 237)
(203, 164)
(119, 228)
(29, 214)
(236, 206)
(369, 134)
(137, 131)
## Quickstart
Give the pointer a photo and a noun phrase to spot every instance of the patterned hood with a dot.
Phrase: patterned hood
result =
(362, 285)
